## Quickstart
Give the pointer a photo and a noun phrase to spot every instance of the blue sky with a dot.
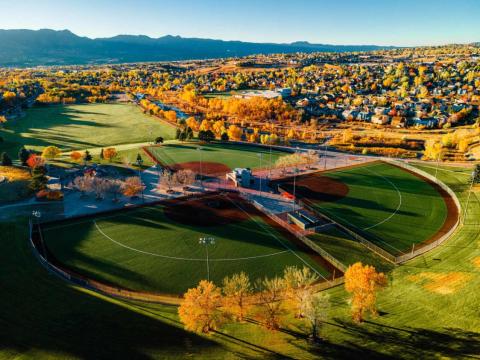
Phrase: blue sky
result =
(382, 22)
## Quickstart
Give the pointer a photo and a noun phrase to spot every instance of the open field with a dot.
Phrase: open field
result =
(377, 200)
(215, 157)
(157, 248)
(417, 321)
(81, 126)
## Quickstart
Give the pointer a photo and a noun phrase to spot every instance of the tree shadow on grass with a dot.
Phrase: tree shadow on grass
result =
(383, 341)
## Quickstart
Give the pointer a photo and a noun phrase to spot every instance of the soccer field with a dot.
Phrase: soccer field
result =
(81, 126)
(157, 248)
(219, 157)
(390, 206)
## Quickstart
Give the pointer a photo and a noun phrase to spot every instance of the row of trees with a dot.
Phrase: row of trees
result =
(88, 184)
(207, 307)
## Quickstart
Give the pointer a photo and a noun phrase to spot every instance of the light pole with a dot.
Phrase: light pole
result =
(207, 241)
(294, 188)
(139, 163)
(199, 149)
(474, 174)
(325, 157)
(260, 174)
(37, 215)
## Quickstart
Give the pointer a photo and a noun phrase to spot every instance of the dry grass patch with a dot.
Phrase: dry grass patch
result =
(439, 283)
(476, 261)
(13, 173)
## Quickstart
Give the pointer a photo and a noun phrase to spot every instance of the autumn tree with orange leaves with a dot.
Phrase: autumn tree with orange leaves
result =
(109, 153)
(133, 186)
(363, 282)
(75, 156)
(200, 309)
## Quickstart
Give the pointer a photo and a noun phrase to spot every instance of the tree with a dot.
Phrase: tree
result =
(200, 309)
(75, 156)
(270, 301)
(316, 312)
(224, 137)
(39, 179)
(167, 179)
(83, 184)
(238, 291)
(184, 177)
(363, 282)
(99, 187)
(133, 186)
(178, 133)
(6, 160)
(299, 287)
(23, 155)
(159, 140)
(476, 174)
(87, 157)
(102, 156)
(51, 152)
(35, 161)
(114, 187)
(206, 135)
(234, 132)
(109, 153)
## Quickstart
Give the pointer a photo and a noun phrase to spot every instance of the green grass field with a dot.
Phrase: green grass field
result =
(383, 202)
(42, 316)
(229, 154)
(81, 126)
(165, 256)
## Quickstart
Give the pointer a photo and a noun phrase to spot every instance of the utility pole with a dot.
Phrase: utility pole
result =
(294, 188)
(260, 174)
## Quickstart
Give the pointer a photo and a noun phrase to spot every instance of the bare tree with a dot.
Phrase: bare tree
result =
(83, 184)
(115, 187)
(99, 187)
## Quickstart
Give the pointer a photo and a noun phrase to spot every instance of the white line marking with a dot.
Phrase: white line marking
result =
(182, 258)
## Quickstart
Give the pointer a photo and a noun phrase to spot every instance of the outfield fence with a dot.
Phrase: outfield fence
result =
(45, 258)
(423, 248)
(417, 249)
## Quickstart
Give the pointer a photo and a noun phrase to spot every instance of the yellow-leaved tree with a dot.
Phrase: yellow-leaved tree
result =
(363, 282)
(238, 291)
(200, 309)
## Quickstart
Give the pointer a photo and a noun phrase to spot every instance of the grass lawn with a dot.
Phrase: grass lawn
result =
(229, 154)
(348, 251)
(383, 202)
(81, 126)
(168, 257)
(423, 316)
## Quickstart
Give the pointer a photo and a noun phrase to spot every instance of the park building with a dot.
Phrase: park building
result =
(241, 177)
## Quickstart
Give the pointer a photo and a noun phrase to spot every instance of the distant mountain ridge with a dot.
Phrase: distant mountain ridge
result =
(50, 47)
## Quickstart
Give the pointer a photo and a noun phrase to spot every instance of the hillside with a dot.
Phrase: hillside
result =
(49, 47)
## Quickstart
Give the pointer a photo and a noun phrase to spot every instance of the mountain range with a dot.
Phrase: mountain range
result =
(23, 48)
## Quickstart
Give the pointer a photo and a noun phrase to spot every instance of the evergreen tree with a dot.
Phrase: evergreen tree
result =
(224, 137)
(183, 135)
(101, 154)
(23, 155)
(6, 161)
(189, 133)
(178, 134)
(87, 157)
(39, 179)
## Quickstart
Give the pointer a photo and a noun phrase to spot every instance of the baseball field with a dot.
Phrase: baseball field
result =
(158, 248)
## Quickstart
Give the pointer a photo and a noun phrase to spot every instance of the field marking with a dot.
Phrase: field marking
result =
(384, 220)
(276, 238)
(182, 258)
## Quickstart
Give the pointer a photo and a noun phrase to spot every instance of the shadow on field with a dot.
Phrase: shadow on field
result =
(41, 313)
(392, 342)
